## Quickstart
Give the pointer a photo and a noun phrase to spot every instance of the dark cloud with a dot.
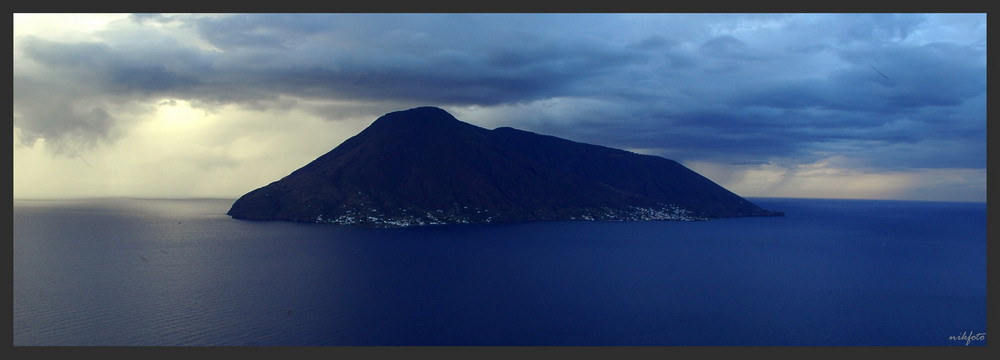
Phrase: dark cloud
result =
(729, 48)
(718, 87)
(73, 101)
(149, 79)
(875, 28)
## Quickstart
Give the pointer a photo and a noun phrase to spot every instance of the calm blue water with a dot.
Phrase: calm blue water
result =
(124, 272)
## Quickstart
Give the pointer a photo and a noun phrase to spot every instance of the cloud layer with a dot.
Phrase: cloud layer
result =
(876, 91)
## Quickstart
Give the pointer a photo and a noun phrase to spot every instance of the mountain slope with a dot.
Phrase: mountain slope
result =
(423, 166)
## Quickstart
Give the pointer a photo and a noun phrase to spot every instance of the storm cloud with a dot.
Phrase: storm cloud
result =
(883, 91)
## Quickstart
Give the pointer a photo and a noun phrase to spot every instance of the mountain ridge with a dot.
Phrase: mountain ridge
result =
(423, 166)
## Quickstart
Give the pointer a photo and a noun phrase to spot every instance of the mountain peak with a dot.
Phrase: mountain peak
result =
(424, 115)
(419, 129)
(424, 166)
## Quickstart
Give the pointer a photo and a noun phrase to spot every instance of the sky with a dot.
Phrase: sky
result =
(871, 106)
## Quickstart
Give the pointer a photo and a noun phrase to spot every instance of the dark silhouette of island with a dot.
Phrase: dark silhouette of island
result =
(423, 166)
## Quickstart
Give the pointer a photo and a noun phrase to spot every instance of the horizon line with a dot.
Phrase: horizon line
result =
(132, 197)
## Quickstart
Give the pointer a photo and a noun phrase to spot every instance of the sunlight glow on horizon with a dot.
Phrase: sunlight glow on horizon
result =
(824, 181)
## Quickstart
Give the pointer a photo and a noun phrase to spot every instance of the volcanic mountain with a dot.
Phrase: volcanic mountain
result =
(423, 166)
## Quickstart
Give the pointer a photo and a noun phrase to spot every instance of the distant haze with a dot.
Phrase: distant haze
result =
(883, 106)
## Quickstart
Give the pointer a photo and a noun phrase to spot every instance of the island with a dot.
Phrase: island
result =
(423, 166)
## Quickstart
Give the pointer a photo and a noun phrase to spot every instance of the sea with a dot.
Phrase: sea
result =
(164, 272)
